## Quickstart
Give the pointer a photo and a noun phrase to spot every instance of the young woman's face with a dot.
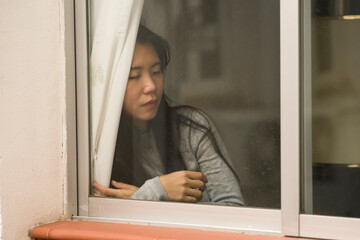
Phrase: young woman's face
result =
(145, 85)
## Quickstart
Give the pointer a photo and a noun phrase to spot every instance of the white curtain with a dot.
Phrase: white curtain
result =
(114, 25)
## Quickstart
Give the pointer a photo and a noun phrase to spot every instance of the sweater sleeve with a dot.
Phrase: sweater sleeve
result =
(214, 162)
(151, 190)
(223, 186)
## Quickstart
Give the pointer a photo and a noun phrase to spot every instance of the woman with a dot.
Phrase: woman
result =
(163, 152)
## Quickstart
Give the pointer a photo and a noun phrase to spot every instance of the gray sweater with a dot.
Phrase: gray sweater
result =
(200, 155)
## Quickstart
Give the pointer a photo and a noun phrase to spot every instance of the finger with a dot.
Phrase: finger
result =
(194, 193)
(98, 195)
(99, 187)
(104, 190)
(113, 192)
(196, 184)
(196, 176)
(120, 185)
(204, 178)
(190, 199)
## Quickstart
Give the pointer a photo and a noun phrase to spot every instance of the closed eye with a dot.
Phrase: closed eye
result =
(134, 77)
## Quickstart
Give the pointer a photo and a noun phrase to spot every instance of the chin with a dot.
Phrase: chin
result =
(149, 116)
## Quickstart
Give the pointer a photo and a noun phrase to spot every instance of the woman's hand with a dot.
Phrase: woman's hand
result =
(123, 190)
(184, 186)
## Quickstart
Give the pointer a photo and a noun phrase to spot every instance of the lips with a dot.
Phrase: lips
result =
(151, 103)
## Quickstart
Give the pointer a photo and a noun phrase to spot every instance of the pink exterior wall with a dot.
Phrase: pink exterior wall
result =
(32, 103)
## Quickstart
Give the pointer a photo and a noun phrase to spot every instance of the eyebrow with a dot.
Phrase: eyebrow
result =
(140, 67)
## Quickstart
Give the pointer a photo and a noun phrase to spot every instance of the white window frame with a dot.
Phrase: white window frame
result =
(315, 226)
(287, 221)
(290, 116)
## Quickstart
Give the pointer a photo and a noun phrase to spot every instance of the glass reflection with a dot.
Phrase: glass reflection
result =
(335, 111)
(224, 61)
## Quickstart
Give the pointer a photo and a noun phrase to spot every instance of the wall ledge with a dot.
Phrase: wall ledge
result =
(81, 230)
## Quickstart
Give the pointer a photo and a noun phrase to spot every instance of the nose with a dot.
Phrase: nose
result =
(149, 85)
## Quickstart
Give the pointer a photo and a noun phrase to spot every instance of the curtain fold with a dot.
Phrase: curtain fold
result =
(114, 25)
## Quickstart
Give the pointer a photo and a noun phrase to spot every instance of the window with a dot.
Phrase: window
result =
(235, 86)
(225, 60)
(333, 92)
(331, 119)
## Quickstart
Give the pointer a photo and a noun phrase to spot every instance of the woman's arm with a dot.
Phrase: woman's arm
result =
(223, 184)
(152, 189)
(122, 190)
(181, 186)
(184, 186)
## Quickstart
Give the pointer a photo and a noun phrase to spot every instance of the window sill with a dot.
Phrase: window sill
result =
(77, 230)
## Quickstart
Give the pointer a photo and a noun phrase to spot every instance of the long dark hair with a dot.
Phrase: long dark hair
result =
(126, 166)
(165, 126)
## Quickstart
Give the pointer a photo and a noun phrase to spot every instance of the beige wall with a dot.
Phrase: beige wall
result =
(32, 107)
(336, 91)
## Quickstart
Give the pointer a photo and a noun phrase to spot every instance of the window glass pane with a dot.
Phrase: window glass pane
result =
(332, 108)
(224, 64)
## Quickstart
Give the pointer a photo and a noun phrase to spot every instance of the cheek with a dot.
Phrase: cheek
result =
(129, 99)
(160, 85)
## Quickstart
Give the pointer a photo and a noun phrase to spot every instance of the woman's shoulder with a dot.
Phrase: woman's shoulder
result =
(193, 117)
